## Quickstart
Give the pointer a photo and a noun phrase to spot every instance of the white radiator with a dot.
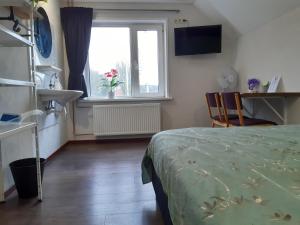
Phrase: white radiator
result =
(126, 119)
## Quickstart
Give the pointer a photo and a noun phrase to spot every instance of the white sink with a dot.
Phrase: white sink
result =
(62, 97)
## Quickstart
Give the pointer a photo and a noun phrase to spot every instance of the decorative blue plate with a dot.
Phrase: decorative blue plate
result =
(43, 36)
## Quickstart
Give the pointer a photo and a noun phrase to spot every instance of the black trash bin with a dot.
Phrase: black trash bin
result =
(25, 176)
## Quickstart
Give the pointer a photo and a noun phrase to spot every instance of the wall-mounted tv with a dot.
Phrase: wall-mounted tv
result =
(198, 40)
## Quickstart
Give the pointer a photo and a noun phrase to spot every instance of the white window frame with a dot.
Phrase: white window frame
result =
(136, 26)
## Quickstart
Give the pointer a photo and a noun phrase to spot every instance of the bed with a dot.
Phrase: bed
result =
(243, 176)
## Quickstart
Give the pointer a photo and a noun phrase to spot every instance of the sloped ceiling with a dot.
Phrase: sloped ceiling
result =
(240, 15)
(247, 15)
(132, 1)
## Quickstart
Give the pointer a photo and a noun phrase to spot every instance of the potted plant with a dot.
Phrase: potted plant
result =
(111, 81)
(265, 86)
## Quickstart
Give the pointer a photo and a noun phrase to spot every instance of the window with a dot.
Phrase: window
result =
(136, 51)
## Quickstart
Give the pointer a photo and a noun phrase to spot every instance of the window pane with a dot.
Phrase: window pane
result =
(109, 49)
(148, 61)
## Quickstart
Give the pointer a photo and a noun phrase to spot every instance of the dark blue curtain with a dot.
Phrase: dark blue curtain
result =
(77, 24)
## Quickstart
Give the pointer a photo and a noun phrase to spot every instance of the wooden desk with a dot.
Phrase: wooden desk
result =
(283, 96)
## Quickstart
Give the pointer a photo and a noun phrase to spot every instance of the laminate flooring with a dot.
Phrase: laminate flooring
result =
(90, 184)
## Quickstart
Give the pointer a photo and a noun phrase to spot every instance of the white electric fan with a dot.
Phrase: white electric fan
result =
(228, 80)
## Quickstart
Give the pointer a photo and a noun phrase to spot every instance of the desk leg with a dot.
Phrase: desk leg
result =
(274, 110)
(285, 111)
(250, 111)
(2, 199)
(253, 108)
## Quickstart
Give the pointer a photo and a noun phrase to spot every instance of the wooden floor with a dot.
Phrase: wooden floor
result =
(90, 184)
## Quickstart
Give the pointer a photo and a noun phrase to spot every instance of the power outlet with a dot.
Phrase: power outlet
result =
(180, 21)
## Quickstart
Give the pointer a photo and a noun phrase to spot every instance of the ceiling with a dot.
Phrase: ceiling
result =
(135, 1)
(242, 15)
(247, 15)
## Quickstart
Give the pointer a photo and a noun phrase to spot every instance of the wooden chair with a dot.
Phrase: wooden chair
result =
(232, 101)
(214, 104)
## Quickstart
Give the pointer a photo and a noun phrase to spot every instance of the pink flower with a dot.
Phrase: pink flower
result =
(108, 74)
(114, 72)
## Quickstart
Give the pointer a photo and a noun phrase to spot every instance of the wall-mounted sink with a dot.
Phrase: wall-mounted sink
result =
(62, 97)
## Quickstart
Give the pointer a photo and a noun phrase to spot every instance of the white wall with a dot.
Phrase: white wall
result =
(189, 76)
(13, 65)
(273, 49)
(57, 129)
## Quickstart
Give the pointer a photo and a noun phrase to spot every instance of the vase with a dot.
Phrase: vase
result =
(111, 94)
(265, 89)
(254, 89)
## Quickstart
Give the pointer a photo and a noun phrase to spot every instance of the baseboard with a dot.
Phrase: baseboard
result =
(87, 137)
(108, 140)
(9, 191)
(53, 155)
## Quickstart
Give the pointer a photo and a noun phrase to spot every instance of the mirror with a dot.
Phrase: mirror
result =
(43, 35)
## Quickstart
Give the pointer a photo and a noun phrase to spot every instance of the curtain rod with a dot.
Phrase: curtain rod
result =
(141, 10)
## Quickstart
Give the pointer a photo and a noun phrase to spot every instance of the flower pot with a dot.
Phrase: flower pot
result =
(254, 90)
(265, 89)
(111, 94)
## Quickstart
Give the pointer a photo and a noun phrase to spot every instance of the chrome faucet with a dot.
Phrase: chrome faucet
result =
(52, 81)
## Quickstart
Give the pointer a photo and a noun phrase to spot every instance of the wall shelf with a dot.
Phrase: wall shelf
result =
(15, 83)
(8, 38)
(22, 8)
(20, 3)
(48, 69)
(7, 129)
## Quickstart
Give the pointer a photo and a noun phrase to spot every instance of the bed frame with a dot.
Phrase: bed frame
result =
(161, 197)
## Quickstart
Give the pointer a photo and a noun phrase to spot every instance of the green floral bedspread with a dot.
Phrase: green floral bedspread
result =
(233, 176)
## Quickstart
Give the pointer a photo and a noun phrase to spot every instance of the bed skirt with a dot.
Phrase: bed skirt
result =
(161, 198)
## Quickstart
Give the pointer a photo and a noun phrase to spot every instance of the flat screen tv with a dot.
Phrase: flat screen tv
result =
(198, 40)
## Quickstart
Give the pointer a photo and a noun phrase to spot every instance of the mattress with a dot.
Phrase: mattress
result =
(228, 176)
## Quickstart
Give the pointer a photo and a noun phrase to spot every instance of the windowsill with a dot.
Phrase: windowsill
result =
(94, 100)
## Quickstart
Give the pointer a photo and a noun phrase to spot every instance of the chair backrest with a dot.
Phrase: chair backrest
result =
(213, 101)
(232, 101)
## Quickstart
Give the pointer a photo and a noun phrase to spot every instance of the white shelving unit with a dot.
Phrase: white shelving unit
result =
(8, 129)
(8, 38)
(19, 3)
(15, 83)
(21, 7)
